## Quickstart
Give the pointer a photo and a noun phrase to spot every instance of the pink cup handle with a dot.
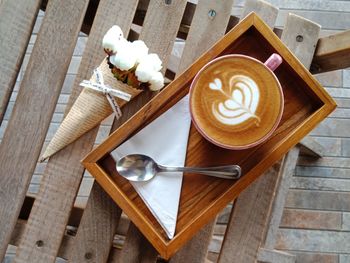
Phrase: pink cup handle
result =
(273, 61)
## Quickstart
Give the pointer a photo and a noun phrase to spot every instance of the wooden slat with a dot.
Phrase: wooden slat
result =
(160, 27)
(195, 251)
(332, 53)
(101, 216)
(286, 173)
(264, 9)
(300, 36)
(270, 255)
(248, 222)
(302, 41)
(160, 45)
(17, 19)
(136, 248)
(310, 146)
(63, 173)
(36, 100)
(97, 228)
(205, 30)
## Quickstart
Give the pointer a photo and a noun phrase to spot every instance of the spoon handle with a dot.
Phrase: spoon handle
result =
(226, 171)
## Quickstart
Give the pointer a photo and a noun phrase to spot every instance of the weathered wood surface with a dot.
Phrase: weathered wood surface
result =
(332, 52)
(301, 38)
(96, 231)
(196, 249)
(264, 9)
(33, 110)
(310, 146)
(206, 28)
(63, 173)
(286, 172)
(271, 255)
(16, 23)
(136, 248)
(318, 220)
(247, 248)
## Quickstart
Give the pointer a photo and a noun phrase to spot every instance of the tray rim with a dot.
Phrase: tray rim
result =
(168, 247)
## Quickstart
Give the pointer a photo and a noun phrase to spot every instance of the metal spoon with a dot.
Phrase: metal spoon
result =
(139, 168)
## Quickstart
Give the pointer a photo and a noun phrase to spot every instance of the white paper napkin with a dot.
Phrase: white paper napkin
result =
(165, 140)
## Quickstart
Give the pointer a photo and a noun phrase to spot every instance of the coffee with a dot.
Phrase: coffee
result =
(236, 101)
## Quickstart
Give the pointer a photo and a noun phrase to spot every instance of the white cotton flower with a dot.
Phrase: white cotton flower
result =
(147, 67)
(111, 38)
(144, 72)
(125, 58)
(157, 81)
(152, 61)
(140, 49)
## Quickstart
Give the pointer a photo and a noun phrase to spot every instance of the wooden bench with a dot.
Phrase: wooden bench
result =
(44, 230)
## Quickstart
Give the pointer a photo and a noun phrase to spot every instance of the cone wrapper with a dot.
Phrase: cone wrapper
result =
(88, 111)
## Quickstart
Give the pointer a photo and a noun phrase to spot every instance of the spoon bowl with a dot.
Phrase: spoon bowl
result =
(137, 167)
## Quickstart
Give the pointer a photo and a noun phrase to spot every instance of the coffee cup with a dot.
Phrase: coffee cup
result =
(236, 101)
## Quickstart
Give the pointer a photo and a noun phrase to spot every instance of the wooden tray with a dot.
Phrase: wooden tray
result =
(306, 104)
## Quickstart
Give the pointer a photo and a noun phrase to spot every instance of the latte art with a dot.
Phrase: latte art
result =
(242, 99)
(236, 101)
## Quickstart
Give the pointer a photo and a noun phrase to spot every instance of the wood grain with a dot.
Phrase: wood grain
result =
(301, 38)
(34, 107)
(100, 210)
(17, 20)
(306, 105)
(310, 146)
(278, 202)
(136, 248)
(264, 9)
(196, 249)
(63, 174)
(332, 53)
(96, 230)
(205, 30)
(272, 255)
(261, 230)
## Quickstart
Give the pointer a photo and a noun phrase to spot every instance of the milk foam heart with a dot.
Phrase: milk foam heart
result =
(242, 99)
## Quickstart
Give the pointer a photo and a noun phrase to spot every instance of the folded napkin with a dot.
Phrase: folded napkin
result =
(165, 140)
